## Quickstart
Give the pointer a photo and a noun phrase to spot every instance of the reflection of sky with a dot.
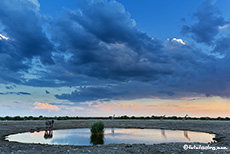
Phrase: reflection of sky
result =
(120, 135)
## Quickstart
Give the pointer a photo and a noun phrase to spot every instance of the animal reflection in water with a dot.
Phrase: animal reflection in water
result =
(112, 131)
(185, 134)
(48, 134)
(163, 133)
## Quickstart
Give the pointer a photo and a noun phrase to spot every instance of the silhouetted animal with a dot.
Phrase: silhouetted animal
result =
(185, 117)
(113, 116)
(162, 117)
(49, 123)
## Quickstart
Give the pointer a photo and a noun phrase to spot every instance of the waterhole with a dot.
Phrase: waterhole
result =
(82, 136)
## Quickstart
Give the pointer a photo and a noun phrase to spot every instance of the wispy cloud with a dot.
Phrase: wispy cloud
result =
(224, 26)
(3, 37)
(179, 41)
(45, 106)
(15, 93)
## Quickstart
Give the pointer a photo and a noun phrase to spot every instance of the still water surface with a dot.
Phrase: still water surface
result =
(111, 135)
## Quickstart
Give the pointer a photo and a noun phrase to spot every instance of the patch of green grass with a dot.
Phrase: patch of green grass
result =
(97, 127)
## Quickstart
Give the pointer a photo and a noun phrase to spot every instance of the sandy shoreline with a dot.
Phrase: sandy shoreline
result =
(220, 128)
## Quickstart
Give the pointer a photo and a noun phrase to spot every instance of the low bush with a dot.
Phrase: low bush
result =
(17, 118)
(97, 127)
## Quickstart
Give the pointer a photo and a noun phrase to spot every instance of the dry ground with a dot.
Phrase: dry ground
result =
(220, 128)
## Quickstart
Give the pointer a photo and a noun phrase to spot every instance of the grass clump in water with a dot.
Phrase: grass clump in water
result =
(97, 127)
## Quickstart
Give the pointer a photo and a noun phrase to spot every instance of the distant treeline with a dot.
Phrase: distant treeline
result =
(110, 117)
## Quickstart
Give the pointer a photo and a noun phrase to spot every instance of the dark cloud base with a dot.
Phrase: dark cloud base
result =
(100, 48)
(14, 93)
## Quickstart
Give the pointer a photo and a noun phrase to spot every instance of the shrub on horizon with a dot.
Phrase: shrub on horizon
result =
(30, 118)
(17, 118)
(124, 117)
(7, 118)
(133, 117)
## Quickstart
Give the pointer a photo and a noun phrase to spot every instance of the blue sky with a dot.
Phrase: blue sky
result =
(102, 57)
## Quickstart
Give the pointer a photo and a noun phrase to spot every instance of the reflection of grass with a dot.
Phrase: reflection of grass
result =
(97, 139)
(97, 128)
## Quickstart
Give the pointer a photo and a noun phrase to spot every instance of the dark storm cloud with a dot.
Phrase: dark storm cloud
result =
(207, 27)
(106, 44)
(111, 23)
(14, 93)
(22, 24)
(47, 92)
(222, 45)
(10, 77)
(100, 49)
(10, 60)
(10, 87)
(60, 77)
(121, 91)
(169, 93)
(89, 94)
